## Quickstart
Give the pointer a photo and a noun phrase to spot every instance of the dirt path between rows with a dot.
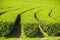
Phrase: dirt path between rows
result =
(19, 39)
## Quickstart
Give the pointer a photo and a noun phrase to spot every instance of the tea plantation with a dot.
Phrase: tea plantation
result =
(29, 19)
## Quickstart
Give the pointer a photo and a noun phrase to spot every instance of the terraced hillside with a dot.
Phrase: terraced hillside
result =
(29, 20)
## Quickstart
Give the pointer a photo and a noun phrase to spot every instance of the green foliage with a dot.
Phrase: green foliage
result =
(31, 30)
(5, 28)
(52, 29)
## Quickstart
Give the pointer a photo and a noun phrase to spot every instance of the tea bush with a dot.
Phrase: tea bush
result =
(31, 30)
(52, 29)
(5, 28)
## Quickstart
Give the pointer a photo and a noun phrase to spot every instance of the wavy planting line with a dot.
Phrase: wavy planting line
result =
(8, 11)
(39, 25)
(50, 13)
(29, 10)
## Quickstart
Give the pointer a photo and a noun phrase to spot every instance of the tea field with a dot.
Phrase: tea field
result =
(29, 19)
